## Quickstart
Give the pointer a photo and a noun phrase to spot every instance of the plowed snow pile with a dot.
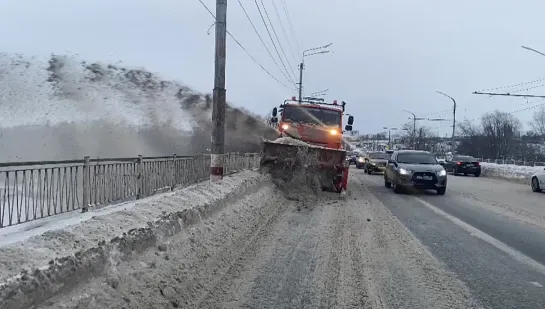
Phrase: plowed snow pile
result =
(297, 183)
(515, 173)
(65, 108)
(41, 266)
(286, 140)
(259, 252)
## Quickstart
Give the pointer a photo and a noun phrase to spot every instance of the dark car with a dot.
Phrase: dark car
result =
(460, 164)
(376, 162)
(352, 158)
(416, 169)
(360, 160)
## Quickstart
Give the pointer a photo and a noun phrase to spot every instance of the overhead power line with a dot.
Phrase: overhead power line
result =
(246, 51)
(516, 85)
(290, 47)
(511, 112)
(263, 42)
(271, 37)
(286, 11)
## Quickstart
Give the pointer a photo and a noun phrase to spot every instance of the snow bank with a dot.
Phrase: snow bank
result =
(66, 108)
(510, 172)
(52, 263)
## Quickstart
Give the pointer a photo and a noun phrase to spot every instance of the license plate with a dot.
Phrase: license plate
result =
(424, 177)
(469, 165)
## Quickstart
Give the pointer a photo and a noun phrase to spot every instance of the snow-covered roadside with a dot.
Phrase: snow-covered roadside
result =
(515, 173)
(37, 268)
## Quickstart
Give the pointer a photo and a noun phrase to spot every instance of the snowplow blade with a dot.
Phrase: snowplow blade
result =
(284, 161)
(295, 156)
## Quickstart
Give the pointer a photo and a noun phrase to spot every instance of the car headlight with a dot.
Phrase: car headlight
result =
(442, 173)
(333, 132)
(360, 159)
(372, 163)
(403, 171)
(285, 126)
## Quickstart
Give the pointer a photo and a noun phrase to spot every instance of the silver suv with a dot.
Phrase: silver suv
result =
(416, 169)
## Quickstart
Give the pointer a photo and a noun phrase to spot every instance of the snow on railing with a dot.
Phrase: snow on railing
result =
(39, 189)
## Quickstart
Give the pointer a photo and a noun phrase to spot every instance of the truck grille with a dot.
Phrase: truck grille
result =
(316, 134)
(420, 177)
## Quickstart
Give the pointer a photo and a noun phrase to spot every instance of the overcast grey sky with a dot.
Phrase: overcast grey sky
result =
(388, 55)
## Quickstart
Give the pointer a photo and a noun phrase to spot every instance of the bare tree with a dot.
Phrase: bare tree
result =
(423, 137)
(498, 135)
(471, 139)
(538, 121)
(502, 131)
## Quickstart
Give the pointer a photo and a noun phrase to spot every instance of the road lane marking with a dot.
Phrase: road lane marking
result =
(473, 231)
(536, 284)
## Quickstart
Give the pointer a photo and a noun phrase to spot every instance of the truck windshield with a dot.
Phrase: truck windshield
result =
(310, 115)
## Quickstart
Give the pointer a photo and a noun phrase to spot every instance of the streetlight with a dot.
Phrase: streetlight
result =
(389, 135)
(453, 119)
(307, 53)
(414, 126)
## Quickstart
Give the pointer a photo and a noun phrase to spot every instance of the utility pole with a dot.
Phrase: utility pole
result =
(218, 95)
(301, 66)
(453, 120)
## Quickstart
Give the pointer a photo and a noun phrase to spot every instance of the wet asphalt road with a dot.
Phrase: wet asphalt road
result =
(488, 232)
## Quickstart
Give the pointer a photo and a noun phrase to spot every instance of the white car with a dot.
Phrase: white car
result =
(538, 180)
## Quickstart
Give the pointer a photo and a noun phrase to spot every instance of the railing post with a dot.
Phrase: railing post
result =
(86, 181)
(174, 172)
(140, 178)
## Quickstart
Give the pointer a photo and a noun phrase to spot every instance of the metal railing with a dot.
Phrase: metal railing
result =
(34, 190)
(512, 162)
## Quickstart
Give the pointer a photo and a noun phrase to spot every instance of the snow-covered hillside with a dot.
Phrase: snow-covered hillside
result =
(60, 107)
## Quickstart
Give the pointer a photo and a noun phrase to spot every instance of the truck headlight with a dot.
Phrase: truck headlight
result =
(442, 173)
(333, 132)
(403, 171)
(285, 126)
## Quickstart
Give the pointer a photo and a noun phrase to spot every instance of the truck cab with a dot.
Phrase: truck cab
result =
(313, 121)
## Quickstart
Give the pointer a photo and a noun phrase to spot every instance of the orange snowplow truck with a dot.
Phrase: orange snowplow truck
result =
(310, 140)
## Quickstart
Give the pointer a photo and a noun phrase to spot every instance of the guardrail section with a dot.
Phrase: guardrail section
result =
(34, 190)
